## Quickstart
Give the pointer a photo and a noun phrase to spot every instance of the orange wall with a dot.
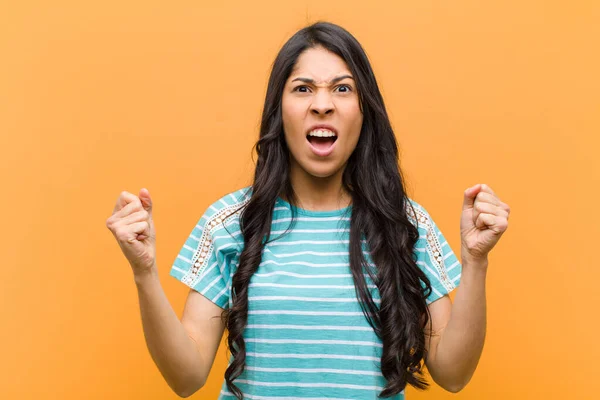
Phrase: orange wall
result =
(100, 97)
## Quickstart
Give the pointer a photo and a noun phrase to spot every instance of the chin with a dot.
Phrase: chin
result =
(325, 170)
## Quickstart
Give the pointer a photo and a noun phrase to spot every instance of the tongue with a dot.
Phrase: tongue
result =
(321, 143)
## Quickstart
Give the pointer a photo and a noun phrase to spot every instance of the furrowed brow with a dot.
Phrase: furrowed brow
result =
(334, 80)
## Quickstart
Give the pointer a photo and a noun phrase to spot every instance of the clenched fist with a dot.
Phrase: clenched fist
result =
(131, 224)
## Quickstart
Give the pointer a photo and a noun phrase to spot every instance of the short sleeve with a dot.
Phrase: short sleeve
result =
(435, 257)
(201, 264)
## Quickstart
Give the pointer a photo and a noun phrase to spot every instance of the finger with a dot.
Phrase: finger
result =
(494, 199)
(146, 199)
(469, 196)
(136, 229)
(485, 188)
(483, 207)
(137, 216)
(488, 198)
(485, 220)
(130, 208)
(124, 199)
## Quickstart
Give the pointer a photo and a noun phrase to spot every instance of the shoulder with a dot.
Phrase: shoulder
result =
(225, 209)
(417, 214)
(230, 200)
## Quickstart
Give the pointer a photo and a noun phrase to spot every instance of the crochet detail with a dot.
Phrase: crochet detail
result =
(205, 244)
(434, 248)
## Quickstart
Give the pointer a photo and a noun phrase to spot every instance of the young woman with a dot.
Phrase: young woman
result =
(331, 281)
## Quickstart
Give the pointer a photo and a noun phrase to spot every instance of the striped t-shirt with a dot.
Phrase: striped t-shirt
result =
(306, 335)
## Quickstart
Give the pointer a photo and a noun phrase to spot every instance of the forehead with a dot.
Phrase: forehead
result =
(319, 64)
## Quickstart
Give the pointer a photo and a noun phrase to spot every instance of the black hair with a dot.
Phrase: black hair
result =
(380, 210)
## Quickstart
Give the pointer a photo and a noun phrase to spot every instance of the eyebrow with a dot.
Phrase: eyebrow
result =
(334, 80)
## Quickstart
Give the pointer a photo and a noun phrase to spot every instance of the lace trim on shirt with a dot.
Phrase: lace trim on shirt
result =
(205, 244)
(434, 248)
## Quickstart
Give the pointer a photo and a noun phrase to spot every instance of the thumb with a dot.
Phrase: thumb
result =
(470, 194)
(146, 200)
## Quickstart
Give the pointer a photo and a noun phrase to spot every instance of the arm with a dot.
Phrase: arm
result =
(459, 330)
(183, 351)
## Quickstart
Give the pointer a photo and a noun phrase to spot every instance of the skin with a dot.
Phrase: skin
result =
(318, 180)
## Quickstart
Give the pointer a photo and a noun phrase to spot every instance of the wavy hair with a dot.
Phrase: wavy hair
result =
(379, 214)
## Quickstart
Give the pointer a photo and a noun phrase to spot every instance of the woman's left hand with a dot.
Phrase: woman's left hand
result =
(484, 219)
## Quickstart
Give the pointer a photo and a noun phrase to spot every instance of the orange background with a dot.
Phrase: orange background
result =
(96, 98)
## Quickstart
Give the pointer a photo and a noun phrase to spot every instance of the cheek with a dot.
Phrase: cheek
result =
(354, 128)
(352, 142)
(293, 121)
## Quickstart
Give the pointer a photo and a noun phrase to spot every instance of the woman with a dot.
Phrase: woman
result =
(331, 282)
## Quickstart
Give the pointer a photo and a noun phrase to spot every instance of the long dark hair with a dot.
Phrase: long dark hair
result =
(379, 212)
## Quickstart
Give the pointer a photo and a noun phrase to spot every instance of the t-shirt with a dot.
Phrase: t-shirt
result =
(306, 335)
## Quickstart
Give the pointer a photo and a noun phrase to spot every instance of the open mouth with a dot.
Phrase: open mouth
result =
(321, 143)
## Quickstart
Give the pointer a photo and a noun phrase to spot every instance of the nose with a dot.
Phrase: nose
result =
(322, 103)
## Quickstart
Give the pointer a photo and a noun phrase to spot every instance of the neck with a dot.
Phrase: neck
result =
(318, 194)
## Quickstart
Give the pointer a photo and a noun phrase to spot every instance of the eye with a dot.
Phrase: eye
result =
(300, 87)
(346, 86)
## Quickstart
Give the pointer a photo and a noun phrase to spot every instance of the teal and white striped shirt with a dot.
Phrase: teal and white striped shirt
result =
(307, 337)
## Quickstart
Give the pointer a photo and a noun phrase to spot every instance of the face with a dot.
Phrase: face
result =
(320, 91)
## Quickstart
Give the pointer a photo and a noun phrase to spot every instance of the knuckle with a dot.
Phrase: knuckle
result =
(120, 233)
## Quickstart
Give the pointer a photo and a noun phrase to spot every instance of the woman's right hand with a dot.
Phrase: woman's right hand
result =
(131, 224)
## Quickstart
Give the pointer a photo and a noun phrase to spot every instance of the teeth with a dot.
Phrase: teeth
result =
(321, 133)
